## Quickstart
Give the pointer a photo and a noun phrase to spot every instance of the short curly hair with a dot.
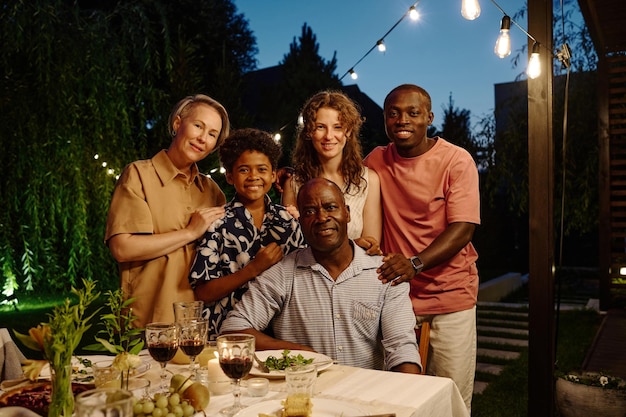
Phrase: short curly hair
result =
(249, 139)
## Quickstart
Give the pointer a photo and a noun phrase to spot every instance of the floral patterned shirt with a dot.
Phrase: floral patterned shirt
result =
(233, 241)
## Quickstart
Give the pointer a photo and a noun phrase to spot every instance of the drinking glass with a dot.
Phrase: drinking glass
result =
(236, 354)
(104, 402)
(162, 341)
(186, 310)
(192, 340)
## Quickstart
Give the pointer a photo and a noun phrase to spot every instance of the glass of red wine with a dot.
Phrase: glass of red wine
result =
(192, 339)
(162, 341)
(236, 353)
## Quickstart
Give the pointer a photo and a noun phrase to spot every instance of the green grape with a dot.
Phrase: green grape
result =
(137, 408)
(174, 399)
(148, 407)
(177, 410)
(170, 414)
(162, 401)
(188, 411)
(158, 412)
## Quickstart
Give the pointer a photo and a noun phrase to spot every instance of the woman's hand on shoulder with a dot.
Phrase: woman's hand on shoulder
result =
(370, 245)
(202, 218)
(282, 175)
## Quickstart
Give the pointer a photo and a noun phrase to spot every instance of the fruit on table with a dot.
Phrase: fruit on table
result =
(184, 400)
(195, 392)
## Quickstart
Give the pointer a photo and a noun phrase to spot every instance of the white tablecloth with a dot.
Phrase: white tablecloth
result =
(373, 391)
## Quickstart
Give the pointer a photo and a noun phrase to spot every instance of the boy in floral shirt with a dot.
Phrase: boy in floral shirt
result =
(253, 235)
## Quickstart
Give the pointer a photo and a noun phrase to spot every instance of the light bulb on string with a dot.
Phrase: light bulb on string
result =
(534, 64)
(277, 137)
(381, 46)
(353, 74)
(413, 14)
(503, 44)
(470, 9)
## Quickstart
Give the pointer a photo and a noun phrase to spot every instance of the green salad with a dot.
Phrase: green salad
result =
(286, 360)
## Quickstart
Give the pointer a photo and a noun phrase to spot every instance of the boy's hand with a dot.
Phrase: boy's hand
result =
(267, 256)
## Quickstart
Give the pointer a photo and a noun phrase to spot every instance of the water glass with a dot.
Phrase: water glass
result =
(104, 402)
(187, 310)
(300, 379)
(105, 375)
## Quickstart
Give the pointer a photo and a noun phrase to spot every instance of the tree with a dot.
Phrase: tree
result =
(303, 72)
(87, 84)
(456, 128)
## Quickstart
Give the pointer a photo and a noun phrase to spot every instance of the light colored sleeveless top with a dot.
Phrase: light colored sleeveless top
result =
(356, 202)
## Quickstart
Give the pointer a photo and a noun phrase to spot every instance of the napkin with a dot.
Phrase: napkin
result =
(10, 357)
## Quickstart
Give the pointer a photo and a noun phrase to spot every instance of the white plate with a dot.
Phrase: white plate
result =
(322, 407)
(84, 374)
(264, 354)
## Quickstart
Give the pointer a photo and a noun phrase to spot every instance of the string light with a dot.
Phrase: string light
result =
(503, 44)
(534, 64)
(412, 13)
(470, 9)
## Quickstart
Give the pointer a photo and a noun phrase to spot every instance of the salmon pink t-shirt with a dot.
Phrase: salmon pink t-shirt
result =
(421, 196)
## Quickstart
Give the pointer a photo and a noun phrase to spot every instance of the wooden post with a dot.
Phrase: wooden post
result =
(541, 228)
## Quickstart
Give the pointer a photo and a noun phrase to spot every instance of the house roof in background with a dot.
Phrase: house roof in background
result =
(606, 20)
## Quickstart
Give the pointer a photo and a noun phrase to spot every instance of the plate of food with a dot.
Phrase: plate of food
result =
(82, 371)
(277, 360)
(322, 407)
(36, 397)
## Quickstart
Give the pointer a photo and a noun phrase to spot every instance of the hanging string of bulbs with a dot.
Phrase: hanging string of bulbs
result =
(470, 10)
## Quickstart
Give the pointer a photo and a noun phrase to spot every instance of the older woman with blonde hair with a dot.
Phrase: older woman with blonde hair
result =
(161, 206)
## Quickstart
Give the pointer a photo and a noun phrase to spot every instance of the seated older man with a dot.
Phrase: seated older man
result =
(327, 298)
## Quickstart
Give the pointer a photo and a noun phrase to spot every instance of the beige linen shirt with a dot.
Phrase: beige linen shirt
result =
(153, 196)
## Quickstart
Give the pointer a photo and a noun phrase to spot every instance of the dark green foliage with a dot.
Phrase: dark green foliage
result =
(82, 79)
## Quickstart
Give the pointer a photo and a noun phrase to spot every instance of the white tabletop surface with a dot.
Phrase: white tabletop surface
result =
(375, 392)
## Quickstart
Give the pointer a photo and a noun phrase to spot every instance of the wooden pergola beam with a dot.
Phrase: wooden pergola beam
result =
(541, 229)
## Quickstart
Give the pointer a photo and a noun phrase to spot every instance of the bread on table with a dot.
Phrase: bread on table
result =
(297, 405)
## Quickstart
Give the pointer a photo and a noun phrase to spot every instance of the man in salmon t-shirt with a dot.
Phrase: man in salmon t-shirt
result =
(431, 207)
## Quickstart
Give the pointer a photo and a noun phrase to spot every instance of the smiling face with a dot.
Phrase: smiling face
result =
(324, 215)
(329, 135)
(252, 176)
(196, 135)
(407, 117)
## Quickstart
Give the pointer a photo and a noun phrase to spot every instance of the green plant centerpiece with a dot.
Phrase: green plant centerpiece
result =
(119, 337)
(57, 339)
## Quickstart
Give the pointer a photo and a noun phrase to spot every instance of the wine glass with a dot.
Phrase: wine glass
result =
(236, 353)
(162, 341)
(192, 340)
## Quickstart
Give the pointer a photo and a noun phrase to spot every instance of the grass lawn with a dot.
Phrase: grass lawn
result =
(507, 394)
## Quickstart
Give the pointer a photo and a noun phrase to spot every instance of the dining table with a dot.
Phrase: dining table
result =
(350, 391)
(371, 391)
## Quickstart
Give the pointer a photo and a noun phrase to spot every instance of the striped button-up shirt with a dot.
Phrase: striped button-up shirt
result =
(354, 319)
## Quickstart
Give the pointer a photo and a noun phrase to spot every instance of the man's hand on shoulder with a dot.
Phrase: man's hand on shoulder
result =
(395, 269)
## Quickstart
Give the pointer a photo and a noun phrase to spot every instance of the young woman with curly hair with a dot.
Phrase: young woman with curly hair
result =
(327, 146)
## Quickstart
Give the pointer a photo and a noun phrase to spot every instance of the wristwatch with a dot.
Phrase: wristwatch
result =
(417, 263)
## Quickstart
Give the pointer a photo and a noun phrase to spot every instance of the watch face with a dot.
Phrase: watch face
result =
(417, 264)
